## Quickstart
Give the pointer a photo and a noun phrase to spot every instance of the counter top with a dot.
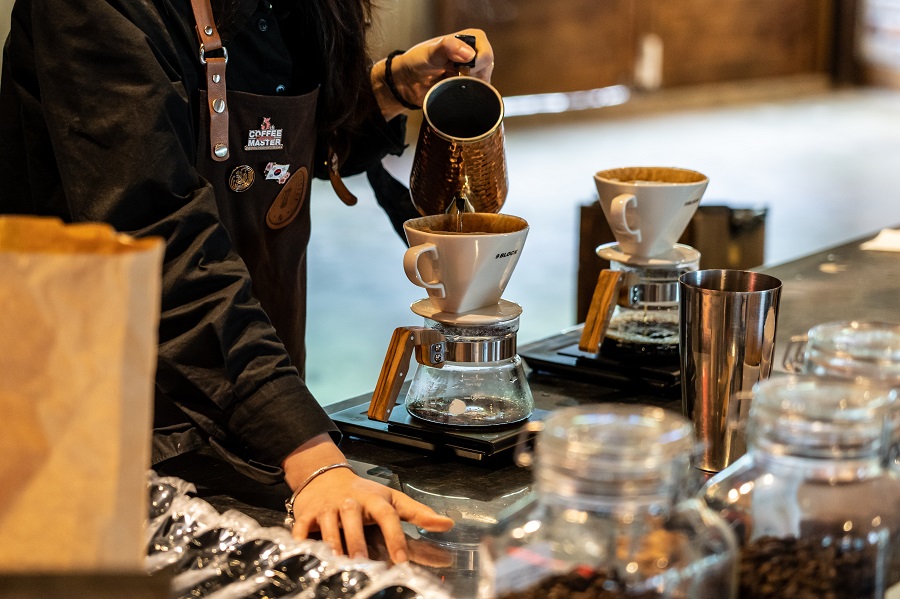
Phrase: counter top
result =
(838, 283)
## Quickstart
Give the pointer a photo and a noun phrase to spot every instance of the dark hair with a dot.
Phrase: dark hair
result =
(340, 27)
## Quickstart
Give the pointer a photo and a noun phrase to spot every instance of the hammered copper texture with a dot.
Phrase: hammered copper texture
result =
(439, 167)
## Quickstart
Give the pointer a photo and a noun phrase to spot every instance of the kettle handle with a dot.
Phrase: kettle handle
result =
(429, 346)
(465, 66)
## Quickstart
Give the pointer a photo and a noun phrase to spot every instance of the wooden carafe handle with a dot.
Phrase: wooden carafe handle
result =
(600, 311)
(429, 346)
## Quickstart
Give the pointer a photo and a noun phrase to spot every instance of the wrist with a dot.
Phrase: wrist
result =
(309, 457)
(289, 503)
(390, 95)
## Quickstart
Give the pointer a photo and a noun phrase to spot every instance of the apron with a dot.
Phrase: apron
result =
(262, 192)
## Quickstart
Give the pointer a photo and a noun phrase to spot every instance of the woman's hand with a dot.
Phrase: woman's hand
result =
(339, 500)
(423, 65)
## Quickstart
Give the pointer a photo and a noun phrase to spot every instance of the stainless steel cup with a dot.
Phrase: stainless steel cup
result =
(727, 324)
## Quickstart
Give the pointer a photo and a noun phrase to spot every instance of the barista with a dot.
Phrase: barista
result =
(129, 113)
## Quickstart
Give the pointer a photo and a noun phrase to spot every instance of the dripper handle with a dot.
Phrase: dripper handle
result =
(465, 66)
(429, 346)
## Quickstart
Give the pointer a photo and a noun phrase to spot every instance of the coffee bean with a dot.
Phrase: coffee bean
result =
(599, 584)
(787, 567)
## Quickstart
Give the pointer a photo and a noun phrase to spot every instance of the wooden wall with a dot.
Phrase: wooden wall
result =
(583, 44)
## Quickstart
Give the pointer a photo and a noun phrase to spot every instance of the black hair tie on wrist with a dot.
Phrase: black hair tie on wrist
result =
(389, 79)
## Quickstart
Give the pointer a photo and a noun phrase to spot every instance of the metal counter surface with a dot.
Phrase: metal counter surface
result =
(839, 283)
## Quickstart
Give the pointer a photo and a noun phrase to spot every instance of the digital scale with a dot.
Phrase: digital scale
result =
(471, 443)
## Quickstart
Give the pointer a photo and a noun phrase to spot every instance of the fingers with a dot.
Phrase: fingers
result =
(352, 523)
(388, 520)
(341, 511)
(301, 528)
(454, 49)
(330, 523)
(419, 68)
(331, 530)
(420, 514)
(443, 52)
(459, 51)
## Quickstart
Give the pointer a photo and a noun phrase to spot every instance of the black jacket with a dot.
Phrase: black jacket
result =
(98, 122)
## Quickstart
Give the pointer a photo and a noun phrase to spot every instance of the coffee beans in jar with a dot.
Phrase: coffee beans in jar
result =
(772, 567)
(609, 518)
(582, 584)
(815, 510)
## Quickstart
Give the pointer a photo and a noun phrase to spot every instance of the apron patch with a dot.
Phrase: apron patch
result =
(279, 172)
(241, 178)
(266, 137)
(287, 205)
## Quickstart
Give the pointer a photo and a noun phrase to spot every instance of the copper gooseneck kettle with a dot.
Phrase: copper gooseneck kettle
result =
(460, 161)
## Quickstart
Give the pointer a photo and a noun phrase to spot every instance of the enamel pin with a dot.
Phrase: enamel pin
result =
(267, 137)
(241, 178)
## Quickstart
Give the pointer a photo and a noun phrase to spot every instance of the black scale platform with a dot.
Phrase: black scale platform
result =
(561, 375)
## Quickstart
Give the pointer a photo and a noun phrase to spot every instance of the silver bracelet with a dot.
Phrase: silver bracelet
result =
(289, 503)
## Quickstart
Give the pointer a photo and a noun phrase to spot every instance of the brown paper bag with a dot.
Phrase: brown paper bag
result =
(79, 317)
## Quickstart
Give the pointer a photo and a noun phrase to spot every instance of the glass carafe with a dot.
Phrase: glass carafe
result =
(644, 323)
(609, 518)
(482, 381)
(815, 510)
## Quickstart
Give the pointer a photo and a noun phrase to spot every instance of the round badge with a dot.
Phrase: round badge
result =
(241, 178)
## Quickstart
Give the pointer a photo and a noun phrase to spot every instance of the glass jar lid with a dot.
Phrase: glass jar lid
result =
(865, 350)
(818, 417)
(613, 449)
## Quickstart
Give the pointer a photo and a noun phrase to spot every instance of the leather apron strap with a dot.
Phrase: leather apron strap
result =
(215, 78)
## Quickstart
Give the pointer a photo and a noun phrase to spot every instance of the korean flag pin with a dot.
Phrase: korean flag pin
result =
(278, 172)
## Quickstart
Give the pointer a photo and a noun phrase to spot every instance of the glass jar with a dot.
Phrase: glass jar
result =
(814, 509)
(609, 517)
(644, 322)
(482, 381)
(475, 509)
(867, 352)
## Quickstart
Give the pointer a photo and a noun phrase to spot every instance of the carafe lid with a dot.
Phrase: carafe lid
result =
(679, 255)
(502, 311)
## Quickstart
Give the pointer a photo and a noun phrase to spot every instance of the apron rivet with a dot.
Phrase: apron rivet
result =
(221, 150)
(219, 105)
(208, 30)
(241, 178)
(216, 78)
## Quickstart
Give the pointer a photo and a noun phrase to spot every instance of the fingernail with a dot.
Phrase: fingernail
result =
(360, 555)
(400, 557)
(468, 52)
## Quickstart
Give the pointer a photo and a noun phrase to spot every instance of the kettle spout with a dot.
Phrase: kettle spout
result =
(460, 201)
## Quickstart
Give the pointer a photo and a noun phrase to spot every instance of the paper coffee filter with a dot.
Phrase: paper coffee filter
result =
(652, 175)
(471, 222)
